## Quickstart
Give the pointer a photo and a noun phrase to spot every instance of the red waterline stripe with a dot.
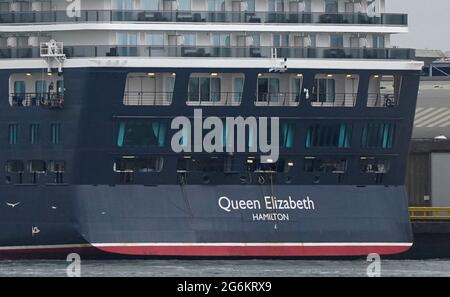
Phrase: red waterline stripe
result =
(213, 251)
(254, 251)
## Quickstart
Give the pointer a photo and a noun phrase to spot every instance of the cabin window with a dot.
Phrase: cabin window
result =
(13, 133)
(142, 133)
(268, 89)
(193, 164)
(378, 136)
(41, 90)
(55, 130)
(321, 165)
(204, 89)
(324, 90)
(373, 165)
(238, 88)
(57, 168)
(184, 5)
(34, 133)
(297, 85)
(337, 135)
(255, 165)
(139, 164)
(384, 90)
(287, 135)
(16, 168)
(36, 168)
(19, 87)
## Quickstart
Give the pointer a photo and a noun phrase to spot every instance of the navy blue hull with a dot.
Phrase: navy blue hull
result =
(118, 219)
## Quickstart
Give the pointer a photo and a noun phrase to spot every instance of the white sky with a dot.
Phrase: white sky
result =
(429, 22)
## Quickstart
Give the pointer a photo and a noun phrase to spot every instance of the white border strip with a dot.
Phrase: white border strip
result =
(143, 62)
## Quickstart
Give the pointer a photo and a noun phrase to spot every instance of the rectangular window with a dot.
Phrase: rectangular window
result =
(36, 168)
(55, 133)
(155, 39)
(287, 135)
(141, 133)
(321, 165)
(19, 87)
(154, 5)
(204, 89)
(15, 170)
(324, 90)
(139, 165)
(375, 165)
(57, 168)
(336, 41)
(297, 85)
(378, 135)
(34, 133)
(184, 5)
(268, 89)
(190, 39)
(238, 89)
(13, 133)
(337, 135)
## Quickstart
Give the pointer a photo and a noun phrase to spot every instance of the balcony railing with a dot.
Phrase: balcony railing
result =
(203, 16)
(277, 99)
(81, 51)
(334, 100)
(382, 100)
(217, 99)
(48, 100)
(147, 98)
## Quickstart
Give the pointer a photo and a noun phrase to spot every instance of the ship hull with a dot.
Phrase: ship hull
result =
(205, 221)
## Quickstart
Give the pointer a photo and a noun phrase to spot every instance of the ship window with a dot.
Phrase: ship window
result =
(254, 164)
(19, 91)
(142, 89)
(384, 90)
(321, 165)
(194, 164)
(184, 5)
(34, 133)
(36, 166)
(287, 135)
(238, 88)
(154, 5)
(155, 39)
(141, 133)
(13, 133)
(15, 166)
(268, 89)
(337, 135)
(55, 130)
(331, 6)
(297, 86)
(57, 168)
(378, 135)
(204, 89)
(140, 165)
(375, 165)
(324, 90)
(40, 90)
(190, 39)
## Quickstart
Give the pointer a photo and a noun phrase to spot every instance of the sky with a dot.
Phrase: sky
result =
(429, 23)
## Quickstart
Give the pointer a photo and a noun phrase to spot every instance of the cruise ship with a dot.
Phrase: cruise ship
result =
(90, 90)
